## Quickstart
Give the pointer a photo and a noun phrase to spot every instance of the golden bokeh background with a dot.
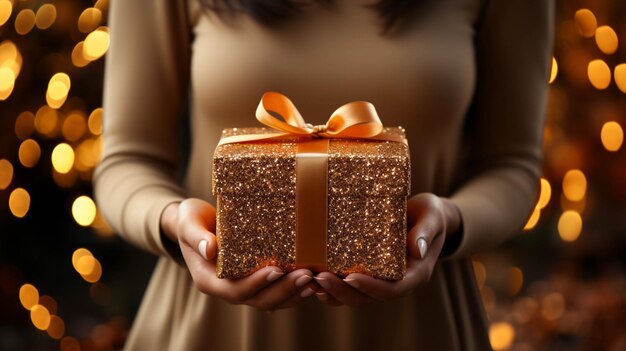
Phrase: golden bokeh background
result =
(68, 283)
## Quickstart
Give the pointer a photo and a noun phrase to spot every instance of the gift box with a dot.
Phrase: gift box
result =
(305, 201)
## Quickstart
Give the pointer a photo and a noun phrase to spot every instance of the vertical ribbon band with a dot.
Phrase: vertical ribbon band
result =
(312, 204)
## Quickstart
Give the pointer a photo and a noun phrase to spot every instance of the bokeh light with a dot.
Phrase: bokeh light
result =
(78, 59)
(58, 88)
(545, 193)
(19, 202)
(24, 125)
(25, 21)
(45, 17)
(620, 77)
(62, 158)
(49, 303)
(501, 335)
(533, 219)
(612, 136)
(84, 210)
(553, 306)
(554, 70)
(95, 121)
(69, 343)
(6, 173)
(6, 7)
(47, 121)
(29, 153)
(29, 296)
(40, 317)
(574, 185)
(96, 44)
(56, 329)
(606, 39)
(74, 126)
(586, 22)
(599, 74)
(89, 19)
(570, 225)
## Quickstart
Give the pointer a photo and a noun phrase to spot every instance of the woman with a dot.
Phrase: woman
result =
(466, 78)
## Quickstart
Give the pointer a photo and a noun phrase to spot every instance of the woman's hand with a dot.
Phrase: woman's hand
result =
(432, 220)
(192, 224)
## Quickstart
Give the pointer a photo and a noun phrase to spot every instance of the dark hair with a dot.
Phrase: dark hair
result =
(271, 12)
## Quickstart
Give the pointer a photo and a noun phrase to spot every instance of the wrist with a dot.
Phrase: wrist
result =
(454, 225)
(169, 221)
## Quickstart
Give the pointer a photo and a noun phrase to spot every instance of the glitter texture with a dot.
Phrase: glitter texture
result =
(368, 184)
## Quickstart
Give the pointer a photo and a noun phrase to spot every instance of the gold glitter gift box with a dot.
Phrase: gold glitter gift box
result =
(271, 209)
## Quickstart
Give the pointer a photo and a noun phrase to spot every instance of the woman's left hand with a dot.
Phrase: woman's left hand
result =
(432, 220)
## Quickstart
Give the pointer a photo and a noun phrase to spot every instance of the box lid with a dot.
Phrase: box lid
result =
(355, 167)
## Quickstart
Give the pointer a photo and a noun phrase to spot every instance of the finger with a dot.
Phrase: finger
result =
(421, 236)
(291, 286)
(378, 289)
(193, 230)
(341, 291)
(304, 293)
(327, 299)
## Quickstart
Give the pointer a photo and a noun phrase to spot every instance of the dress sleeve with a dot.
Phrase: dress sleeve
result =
(513, 51)
(145, 88)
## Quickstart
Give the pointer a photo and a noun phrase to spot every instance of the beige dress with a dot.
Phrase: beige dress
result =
(466, 78)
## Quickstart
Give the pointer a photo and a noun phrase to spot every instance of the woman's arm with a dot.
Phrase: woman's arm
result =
(146, 81)
(513, 46)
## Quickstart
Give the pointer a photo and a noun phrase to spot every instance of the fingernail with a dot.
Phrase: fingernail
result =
(322, 296)
(423, 246)
(352, 282)
(307, 292)
(300, 282)
(323, 282)
(202, 249)
(273, 275)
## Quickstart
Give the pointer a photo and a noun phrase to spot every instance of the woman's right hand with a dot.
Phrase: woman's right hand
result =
(191, 223)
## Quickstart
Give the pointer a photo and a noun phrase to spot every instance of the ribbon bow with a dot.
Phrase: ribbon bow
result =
(354, 120)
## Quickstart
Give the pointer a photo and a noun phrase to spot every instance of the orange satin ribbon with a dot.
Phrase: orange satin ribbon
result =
(354, 120)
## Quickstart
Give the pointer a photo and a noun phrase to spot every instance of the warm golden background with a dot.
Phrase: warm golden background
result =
(67, 282)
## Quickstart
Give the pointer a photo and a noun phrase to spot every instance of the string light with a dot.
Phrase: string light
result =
(6, 173)
(19, 202)
(554, 70)
(516, 280)
(96, 44)
(545, 193)
(612, 136)
(62, 158)
(29, 153)
(501, 335)
(620, 77)
(6, 7)
(553, 306)
(46, 121)
(606, 39)
(586, 22)
(89, 19)
(56, 329)
(599, 74)
(84, 210)
(45, 17)
(570, 225)
(24, 125)
(25, 21)
(58, 88)
(29, 296)
(95, 121)
(574, 185)
(40, 317)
